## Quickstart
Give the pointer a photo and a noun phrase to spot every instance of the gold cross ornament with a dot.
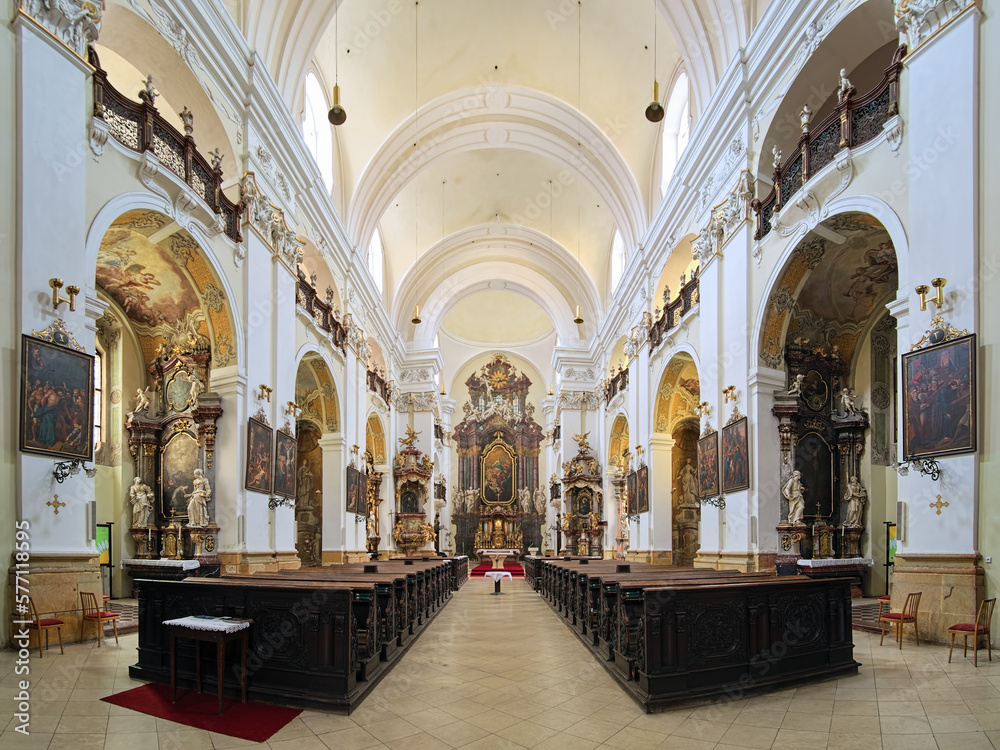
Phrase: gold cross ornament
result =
(939, 505)
(56, 504)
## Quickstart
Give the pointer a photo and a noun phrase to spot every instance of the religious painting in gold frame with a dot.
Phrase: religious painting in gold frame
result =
(708, 465)
(497, 472)
(179, 457)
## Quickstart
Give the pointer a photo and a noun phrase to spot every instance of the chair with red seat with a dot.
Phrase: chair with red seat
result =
(981, 627)
(884, 601)
(93, 613)
(909, 614)
(44, 625)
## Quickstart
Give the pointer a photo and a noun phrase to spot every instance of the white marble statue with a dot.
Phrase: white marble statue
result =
(540, 501)
(796, 389)
(197, 505)
(793, 492)
(141, 498)
(856, 497)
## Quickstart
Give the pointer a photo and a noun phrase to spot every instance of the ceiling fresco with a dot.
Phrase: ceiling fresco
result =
(155, 271)
(678, 395)
(838, 276)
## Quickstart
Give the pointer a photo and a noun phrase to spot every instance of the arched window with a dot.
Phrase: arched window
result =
(676, 130)
(316, 129)
(617, 259)
(375, 260)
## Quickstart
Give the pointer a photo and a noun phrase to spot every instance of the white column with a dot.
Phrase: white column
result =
(333, 449)
(51, 219)
(942, 73)
(765, 456)
(661, 506)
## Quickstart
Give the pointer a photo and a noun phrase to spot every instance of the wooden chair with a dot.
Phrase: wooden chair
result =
(884, 601)
(44, 625)
(93, 613)
(981, 627)
(909, 614)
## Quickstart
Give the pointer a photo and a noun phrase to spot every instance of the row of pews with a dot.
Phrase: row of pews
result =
(675, 634)
(321, 637)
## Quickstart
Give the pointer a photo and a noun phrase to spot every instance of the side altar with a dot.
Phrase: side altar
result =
(172, 432)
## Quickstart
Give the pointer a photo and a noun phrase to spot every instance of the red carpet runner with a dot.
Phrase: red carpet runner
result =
(513, 568)
(249, 721)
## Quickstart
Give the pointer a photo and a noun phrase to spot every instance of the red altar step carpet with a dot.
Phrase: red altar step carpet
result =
(513, 568)
(249, 721)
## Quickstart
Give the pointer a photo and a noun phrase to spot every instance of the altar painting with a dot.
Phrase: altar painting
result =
(178, 461)
(498, 473)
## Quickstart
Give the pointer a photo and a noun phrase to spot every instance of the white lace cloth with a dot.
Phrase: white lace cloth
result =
(218, 624)
(498, 575)
(835, 562)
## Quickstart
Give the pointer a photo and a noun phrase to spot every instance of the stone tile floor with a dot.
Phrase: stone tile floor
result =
(504, 672)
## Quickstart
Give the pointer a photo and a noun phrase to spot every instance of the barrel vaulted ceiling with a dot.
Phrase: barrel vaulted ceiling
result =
(496, 144)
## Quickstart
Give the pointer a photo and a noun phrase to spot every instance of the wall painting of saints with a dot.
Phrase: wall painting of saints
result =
(939, 399)
(258, 456)
(57, 399)
(708, 465)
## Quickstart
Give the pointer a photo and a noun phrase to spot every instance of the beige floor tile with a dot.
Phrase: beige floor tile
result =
(854, 708)
(300, 743)
(964, 724)
(904, 725)
(908, 742)
(185, 739)
(698, 729)
(964, 741)
(75, 741)
(354, 738)
(422, 741)
(391, 729)
(900, 708)
(686, 743)
(492, 742)
(458, 733)
(526, 733)
(853, 742)
(748, 736)
(493, 720)
(794, 739)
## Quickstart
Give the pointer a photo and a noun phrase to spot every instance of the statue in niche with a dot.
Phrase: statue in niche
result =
(141, 498)
(688, 481)
(793, 492)
(197, 505)
(857, 498)
(540, 501)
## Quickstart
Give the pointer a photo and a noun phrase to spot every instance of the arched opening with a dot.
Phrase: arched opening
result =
(827, 328)
(618, 259)
(316, 129)
(618, 443)
(676, 130)
(166, 327)
(677, 400)
(316, 395)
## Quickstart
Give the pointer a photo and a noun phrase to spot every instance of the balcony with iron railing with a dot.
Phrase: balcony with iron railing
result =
(322, 312)
(854, 122)
(140, 127)
(674, 311)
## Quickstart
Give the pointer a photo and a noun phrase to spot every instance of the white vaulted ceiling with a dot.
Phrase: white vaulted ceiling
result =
(464, 116)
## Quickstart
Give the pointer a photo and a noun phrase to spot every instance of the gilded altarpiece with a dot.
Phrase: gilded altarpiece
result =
(499, 495)
(172, 434)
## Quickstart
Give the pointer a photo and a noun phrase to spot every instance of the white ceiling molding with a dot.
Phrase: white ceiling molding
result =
(489, 117)
(468, 261)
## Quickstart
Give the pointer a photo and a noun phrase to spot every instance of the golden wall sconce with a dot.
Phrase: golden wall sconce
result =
(729, 393)
(291, 409)
(58, 299)
(938, 298)
(702, 409)
(264, 393)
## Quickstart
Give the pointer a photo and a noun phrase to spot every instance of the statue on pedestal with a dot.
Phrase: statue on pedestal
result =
(793, 492)
(856, 497)
(141, 498)
(197, 505)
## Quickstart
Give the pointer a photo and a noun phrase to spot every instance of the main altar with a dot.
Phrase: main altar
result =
(500, 500)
